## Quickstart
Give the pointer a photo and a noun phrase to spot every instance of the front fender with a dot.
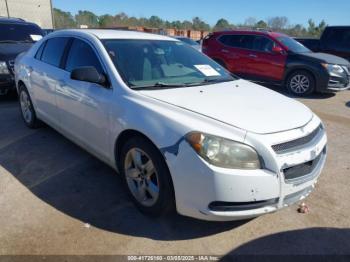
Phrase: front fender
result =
(165, 125)
(295, 63)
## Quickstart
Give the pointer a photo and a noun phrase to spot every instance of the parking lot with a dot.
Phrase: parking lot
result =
(57, 199)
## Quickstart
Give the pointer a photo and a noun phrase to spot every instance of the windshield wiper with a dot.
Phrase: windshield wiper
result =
(208, 81)
(157, 85)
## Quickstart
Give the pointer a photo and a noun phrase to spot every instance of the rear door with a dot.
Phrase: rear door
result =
(262, 63)
(232, 53)
(45, 73)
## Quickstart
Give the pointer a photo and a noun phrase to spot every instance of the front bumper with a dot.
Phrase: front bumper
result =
(7, 83)
(211, 193)
(336, 84)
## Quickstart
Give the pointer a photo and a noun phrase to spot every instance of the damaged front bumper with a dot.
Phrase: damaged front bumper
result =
(207, 192)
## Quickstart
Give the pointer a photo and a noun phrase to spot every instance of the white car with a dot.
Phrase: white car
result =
(181, 131)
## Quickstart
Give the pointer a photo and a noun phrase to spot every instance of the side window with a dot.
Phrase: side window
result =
(54, 50)
(224, 39)
(81, 54)
(333, 39)
(337, 39)
(40, 51)
(237, 41)
(262, 44)
(232, 40)
(247, 41)
(346, 40)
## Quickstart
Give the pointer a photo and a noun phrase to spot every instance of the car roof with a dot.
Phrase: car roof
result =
(251, 32)
(113, 34)
(338, 27)
(13, 20)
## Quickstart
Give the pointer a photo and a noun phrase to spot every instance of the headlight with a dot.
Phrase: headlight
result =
(222, 152)
(3, 68)
(334, 69)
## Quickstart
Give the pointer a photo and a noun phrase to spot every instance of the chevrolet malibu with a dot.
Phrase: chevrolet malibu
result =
(182, 132)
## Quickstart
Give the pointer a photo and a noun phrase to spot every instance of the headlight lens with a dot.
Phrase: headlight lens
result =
(224, 153)
(3, 68)
(334, 69)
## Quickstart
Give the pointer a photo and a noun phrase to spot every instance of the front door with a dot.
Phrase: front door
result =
(83, 106)
(262, 63)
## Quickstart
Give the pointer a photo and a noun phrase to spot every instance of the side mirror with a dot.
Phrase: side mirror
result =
(277, 49)
(88, 74)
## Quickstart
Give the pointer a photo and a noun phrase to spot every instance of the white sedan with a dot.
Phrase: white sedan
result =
(182, 132)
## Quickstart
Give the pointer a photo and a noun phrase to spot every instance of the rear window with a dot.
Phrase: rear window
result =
(19, 32)
(231, 40)
(337, 39)
(238, 41)
(53, 51)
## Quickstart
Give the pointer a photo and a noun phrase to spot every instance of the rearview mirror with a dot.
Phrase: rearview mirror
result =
(88, 74)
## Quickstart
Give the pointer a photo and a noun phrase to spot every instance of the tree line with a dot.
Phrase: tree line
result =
(64, 19)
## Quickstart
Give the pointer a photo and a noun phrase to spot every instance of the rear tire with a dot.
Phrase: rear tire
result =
(300, 83)
(27, 109)
(147, 177)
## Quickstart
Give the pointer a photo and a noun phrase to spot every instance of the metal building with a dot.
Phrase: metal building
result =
(36, 11)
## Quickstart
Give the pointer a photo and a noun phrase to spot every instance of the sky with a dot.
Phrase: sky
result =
(235, 11)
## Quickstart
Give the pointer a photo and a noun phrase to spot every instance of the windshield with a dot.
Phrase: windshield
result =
(188, 41)
(19, 33)
(155, 63)
(293, 45)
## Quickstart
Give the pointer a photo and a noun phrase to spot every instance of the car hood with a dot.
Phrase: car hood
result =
(9, 51)
(240, 104)
(326, 58)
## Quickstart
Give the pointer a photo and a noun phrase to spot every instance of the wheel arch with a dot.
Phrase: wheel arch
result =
(20, 83)
(292, 70)
(128, 134)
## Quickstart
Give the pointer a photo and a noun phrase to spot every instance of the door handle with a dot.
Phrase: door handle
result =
(253, 56)
(224, 50)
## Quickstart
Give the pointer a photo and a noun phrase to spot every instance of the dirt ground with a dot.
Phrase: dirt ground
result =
(56, 199)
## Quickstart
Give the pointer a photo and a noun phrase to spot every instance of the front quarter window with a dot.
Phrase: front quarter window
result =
(161, 64)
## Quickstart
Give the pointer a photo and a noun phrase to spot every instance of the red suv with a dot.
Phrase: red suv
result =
(277, 58)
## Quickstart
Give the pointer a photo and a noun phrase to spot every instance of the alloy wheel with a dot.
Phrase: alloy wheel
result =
(299, 84)
(142, 177)
(26, 107)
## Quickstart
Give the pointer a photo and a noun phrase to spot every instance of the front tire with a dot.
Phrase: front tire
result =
(27, 109)
(147, 177)
(301, 83)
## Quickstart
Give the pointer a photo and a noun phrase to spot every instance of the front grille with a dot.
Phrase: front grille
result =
(302, 170)
(241, 206)
(293, 145)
